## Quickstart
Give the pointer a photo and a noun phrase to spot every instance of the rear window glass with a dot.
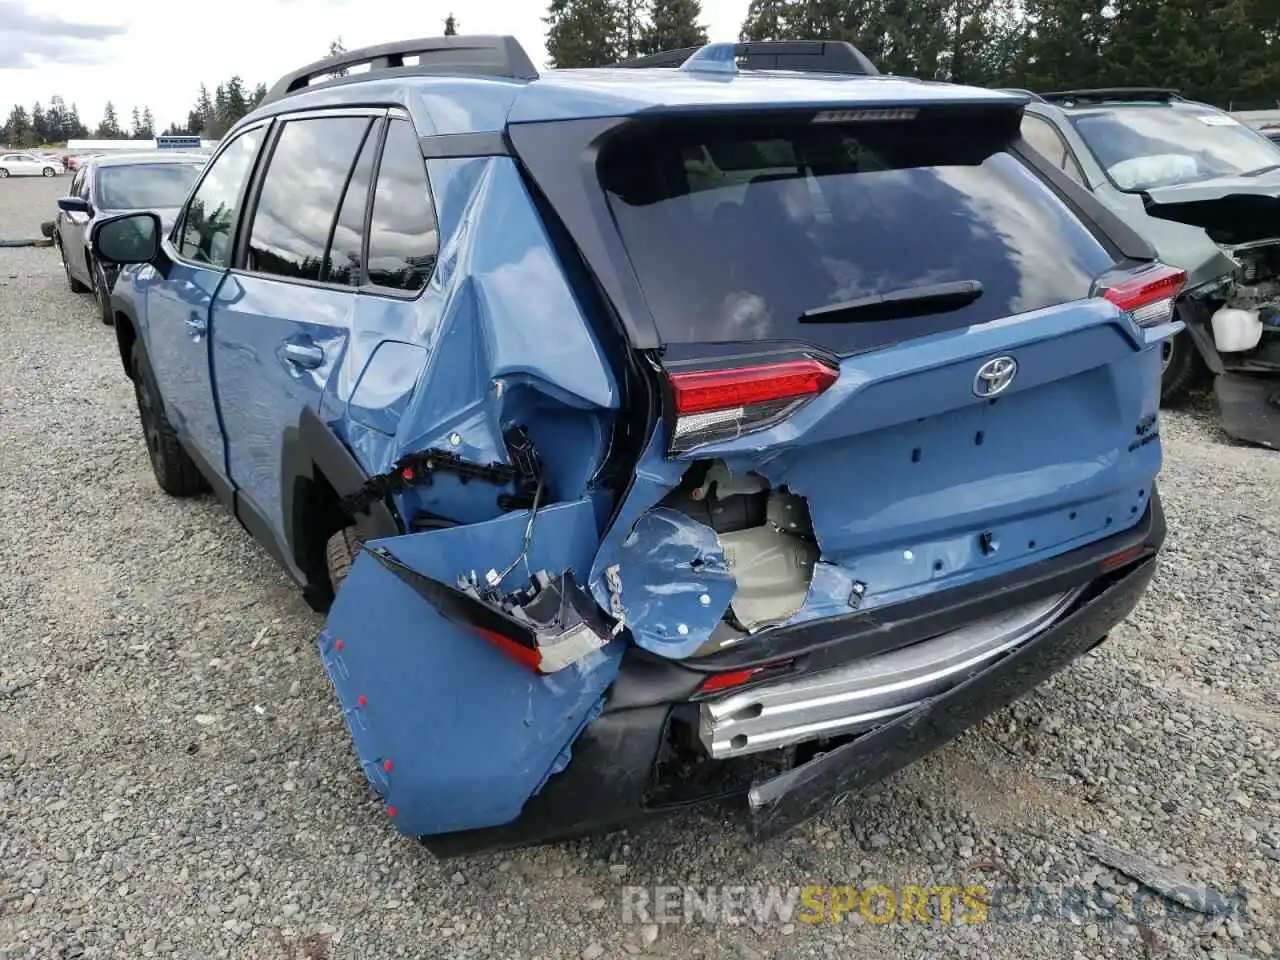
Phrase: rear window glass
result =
(1145, 147)
(145, 186)
(737, 231)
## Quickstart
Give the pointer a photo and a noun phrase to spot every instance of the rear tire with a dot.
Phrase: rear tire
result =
(1182, 369)
(48, 172)
(74, 285)
(101, 294)
(340, 552)
(175, 471)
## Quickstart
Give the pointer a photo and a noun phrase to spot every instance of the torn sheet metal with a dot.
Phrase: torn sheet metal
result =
(676, 584)
(454, 733)
(621, 590)
(507, 343)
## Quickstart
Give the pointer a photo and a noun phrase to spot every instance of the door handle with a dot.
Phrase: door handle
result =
(306, 355)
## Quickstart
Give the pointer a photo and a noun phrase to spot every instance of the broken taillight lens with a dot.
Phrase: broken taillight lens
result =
(1148, 294)
(715, 405)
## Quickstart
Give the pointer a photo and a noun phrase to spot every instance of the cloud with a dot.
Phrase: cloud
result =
(29, 38)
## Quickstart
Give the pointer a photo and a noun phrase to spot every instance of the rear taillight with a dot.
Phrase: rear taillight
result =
(1148, 294)
(715, 405)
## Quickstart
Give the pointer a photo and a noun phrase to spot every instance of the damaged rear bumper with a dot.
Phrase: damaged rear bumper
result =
(622, 770)
(785, 801)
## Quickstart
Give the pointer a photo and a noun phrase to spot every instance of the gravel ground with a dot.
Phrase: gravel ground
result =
(176, 781)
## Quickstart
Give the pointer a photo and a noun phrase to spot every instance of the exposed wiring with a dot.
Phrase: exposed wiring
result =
(528, 538)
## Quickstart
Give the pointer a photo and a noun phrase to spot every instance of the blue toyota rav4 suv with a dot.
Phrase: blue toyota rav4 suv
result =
(735, 423)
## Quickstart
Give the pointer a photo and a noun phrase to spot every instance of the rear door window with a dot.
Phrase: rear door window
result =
(301, 193)
(345, 261)
(736, 231)
(402, 232)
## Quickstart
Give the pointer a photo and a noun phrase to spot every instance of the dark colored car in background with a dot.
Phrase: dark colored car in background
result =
(118, 183)
(1204, 189)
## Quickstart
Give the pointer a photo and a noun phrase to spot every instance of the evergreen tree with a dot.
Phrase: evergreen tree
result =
(1065, 44)
(17, 129)
(57, 120)
(631, 26)
(135, 124)
(259, 94)
(450, 26)
(335, 49)
(147, 128)
(583, 33)
(40, 125)
(768, 20)
(109, 128)
(75, 129)
(221, 122)
(673, 25)
(205, 109)
(237, 101)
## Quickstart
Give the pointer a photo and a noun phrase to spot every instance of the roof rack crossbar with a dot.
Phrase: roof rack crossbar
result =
(809, 56)
(1026, 93)
(1157, 94)
(491, 56)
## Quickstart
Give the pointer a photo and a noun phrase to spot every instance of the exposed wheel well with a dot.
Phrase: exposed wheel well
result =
(317, 515)
(125, 337)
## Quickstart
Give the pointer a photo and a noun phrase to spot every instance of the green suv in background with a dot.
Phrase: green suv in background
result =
(1204, 189)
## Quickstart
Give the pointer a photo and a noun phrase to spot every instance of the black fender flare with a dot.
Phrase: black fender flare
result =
(310, 449)
(126, 333)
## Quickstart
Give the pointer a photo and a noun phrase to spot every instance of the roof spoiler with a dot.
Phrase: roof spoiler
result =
(807, 56)
(489, 56)
(1105, 94)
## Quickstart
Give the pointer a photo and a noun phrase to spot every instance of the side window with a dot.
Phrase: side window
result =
(301, 193)
(209, 217)
(1049, 143)
(403, 237)
(345, 261)
(77, 184)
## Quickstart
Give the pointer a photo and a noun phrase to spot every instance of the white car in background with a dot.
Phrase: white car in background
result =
(27, 165)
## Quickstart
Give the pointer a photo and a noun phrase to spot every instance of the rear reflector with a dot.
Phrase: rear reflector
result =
(1124, 557)
(1148, 295)
(715, 405)
(732, 679)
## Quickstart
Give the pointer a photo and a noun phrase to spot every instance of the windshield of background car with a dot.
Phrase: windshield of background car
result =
(737, 229)
(1160, 146)
(145, 186)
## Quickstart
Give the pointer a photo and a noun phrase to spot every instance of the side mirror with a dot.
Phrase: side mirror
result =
(132, 238)
(75, 205)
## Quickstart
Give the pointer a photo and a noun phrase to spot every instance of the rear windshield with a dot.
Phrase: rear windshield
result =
(736, 231)
(145, 186)
(1144, 147)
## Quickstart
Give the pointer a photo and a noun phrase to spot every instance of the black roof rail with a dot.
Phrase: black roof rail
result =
(490, 56)
(1104, 94)
(1026, 93)
(809, 56)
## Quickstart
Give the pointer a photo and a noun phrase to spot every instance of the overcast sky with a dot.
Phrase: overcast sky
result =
(153, 53)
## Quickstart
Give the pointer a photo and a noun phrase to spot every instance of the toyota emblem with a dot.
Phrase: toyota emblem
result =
(994, 377)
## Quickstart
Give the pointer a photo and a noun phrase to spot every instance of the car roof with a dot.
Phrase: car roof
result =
(155, 156)
(481, 84)
(1086, 102)
(457, 104)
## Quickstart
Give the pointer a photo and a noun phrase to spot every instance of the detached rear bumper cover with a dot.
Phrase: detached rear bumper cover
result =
(779, 804)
